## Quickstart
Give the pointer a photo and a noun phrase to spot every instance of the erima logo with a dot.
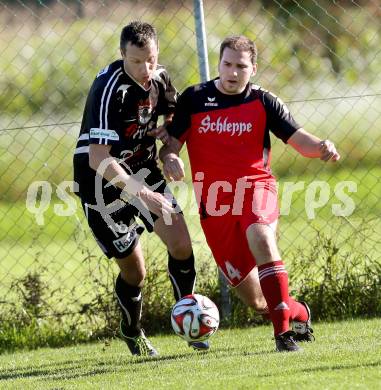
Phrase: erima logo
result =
(211, 102)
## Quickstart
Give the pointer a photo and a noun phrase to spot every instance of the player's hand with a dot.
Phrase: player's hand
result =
(173, 167)
(156, 203)
(160, 133)
(328, 151)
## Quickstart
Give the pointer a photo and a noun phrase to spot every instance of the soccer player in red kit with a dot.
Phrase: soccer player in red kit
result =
(226, 124)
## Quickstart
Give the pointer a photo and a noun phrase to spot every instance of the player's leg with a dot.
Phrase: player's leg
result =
(128, 289)
(272, 274)
(273, 279)
(234, 259)
(119, 239)
(250, 293)
(181, 268)
(226, 238)
(299, 311)
(174, 233)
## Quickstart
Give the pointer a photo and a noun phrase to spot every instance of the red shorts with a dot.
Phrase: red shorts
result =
(226, 234)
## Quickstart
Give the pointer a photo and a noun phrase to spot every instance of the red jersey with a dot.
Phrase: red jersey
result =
(228, 139)
(228, 136)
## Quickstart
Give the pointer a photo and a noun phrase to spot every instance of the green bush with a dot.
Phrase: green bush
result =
(337, 276)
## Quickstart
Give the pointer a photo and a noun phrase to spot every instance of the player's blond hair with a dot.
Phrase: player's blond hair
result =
(240, 43)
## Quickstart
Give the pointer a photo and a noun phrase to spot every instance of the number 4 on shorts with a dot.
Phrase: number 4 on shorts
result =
(232, 272)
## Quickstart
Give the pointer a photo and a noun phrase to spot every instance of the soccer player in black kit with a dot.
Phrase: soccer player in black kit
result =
(115, 167)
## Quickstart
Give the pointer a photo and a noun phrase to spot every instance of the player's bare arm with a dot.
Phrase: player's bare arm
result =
(311, 146)
(173, 166)
(113, 172)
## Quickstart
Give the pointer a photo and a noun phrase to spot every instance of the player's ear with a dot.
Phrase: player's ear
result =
(255, 67)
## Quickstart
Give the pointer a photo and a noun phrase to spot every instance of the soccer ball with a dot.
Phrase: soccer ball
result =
(195, 318)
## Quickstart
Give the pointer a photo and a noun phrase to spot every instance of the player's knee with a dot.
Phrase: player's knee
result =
(134, 277)
(180, 248)
(181, 252)
(259, 305)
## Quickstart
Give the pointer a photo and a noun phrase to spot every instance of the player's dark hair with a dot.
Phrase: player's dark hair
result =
(138, 34)
(240, 43)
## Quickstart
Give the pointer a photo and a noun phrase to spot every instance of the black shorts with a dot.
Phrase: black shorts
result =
(113, 222)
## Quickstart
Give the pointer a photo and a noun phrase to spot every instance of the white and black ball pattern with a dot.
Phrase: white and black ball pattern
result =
(195, 318)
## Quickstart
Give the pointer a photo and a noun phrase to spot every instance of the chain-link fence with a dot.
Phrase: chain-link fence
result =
(322, 58)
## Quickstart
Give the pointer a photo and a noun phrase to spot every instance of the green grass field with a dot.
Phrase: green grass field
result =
(346, 355)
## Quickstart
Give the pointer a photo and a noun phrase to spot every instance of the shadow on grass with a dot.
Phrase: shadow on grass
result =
(336, 367)
(74, 369)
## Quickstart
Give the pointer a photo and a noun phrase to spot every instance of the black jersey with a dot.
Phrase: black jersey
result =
(119, 112)
(228, 136)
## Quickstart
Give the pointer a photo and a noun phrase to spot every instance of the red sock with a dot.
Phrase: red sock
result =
(273, 278)
(298, 312)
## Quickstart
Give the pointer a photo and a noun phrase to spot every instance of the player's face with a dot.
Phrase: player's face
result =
(140, 62)
(235, 70)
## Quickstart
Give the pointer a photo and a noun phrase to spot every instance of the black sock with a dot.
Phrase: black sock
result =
(182, 275)
(130, 303)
